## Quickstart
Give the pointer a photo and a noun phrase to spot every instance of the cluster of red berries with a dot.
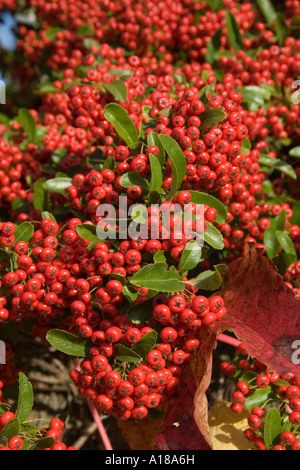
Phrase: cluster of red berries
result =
(55, 431)
(130, 390)
(243, 226)
(251, 377)
(292, 278)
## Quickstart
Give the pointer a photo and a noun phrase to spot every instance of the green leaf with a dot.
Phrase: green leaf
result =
(68, 343)
(58, 185)
(270, 240)
(278, 164)
(11, 429)
(209, 280)
(25, 399)
(131, 179)
(130, 294)
(24, 232)
(213, 46)
(88, 43)
(4, 119)
(246, 146)
(125, 127)
(44, 443)
(153, 139)
(138, 213)
(273, 427)
(157, 277)
(295, 152)
(211, 201)
(118, 89)
(283, 261)
(281, 28)
(145, 112)
(51, 32)
(295, 220)
(121, 73)
(286, 243)
(255, 96)
(40, 196)
(160, 257)
(213, 237)
(216, 5)
(84, 30)
(204, 92)
(211, 117)
(28, 123)
(178, 162)
(88, 232)
(234, 35)
(140, 312)
(145, 344)
(156, 174)
(97, 157)
(48, 215)
(267, 9)
(4, 257)
(259, 397)
(125, 354)
(191, 256)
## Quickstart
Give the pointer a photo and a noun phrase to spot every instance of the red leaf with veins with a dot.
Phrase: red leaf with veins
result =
(262, 310)
(264, 315)
(186, 425)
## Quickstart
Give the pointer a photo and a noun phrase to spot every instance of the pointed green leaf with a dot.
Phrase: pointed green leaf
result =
(157, 277)
(278, 164)
(24, 232)
(25, 399)
(88, 232)
(11, 429)
(286, 243)
(273, 428)
(259, 397)
(270, 240)
(212, 47)
(131, 179)
(68, 343)
(160, 257)
(118, 89)
(267, 9)
(125, 354)
(156, 174)
(178, 162)
(58, 185)
(153, 139)
(125, 127)
(40, 196)
(210, 201)
(295, 152)
(211, 117)
(191, 256)
(234, 35)
(281, 28)
(28, 123)
(209, 280)
(213, 237)
(140, 312)
(145, 344)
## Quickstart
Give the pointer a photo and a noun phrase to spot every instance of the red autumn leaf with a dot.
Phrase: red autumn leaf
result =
(186, 425)
(262, 310)
(264, 315)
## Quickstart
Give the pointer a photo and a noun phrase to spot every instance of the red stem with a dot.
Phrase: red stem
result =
(229, 340)
(97, 419)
